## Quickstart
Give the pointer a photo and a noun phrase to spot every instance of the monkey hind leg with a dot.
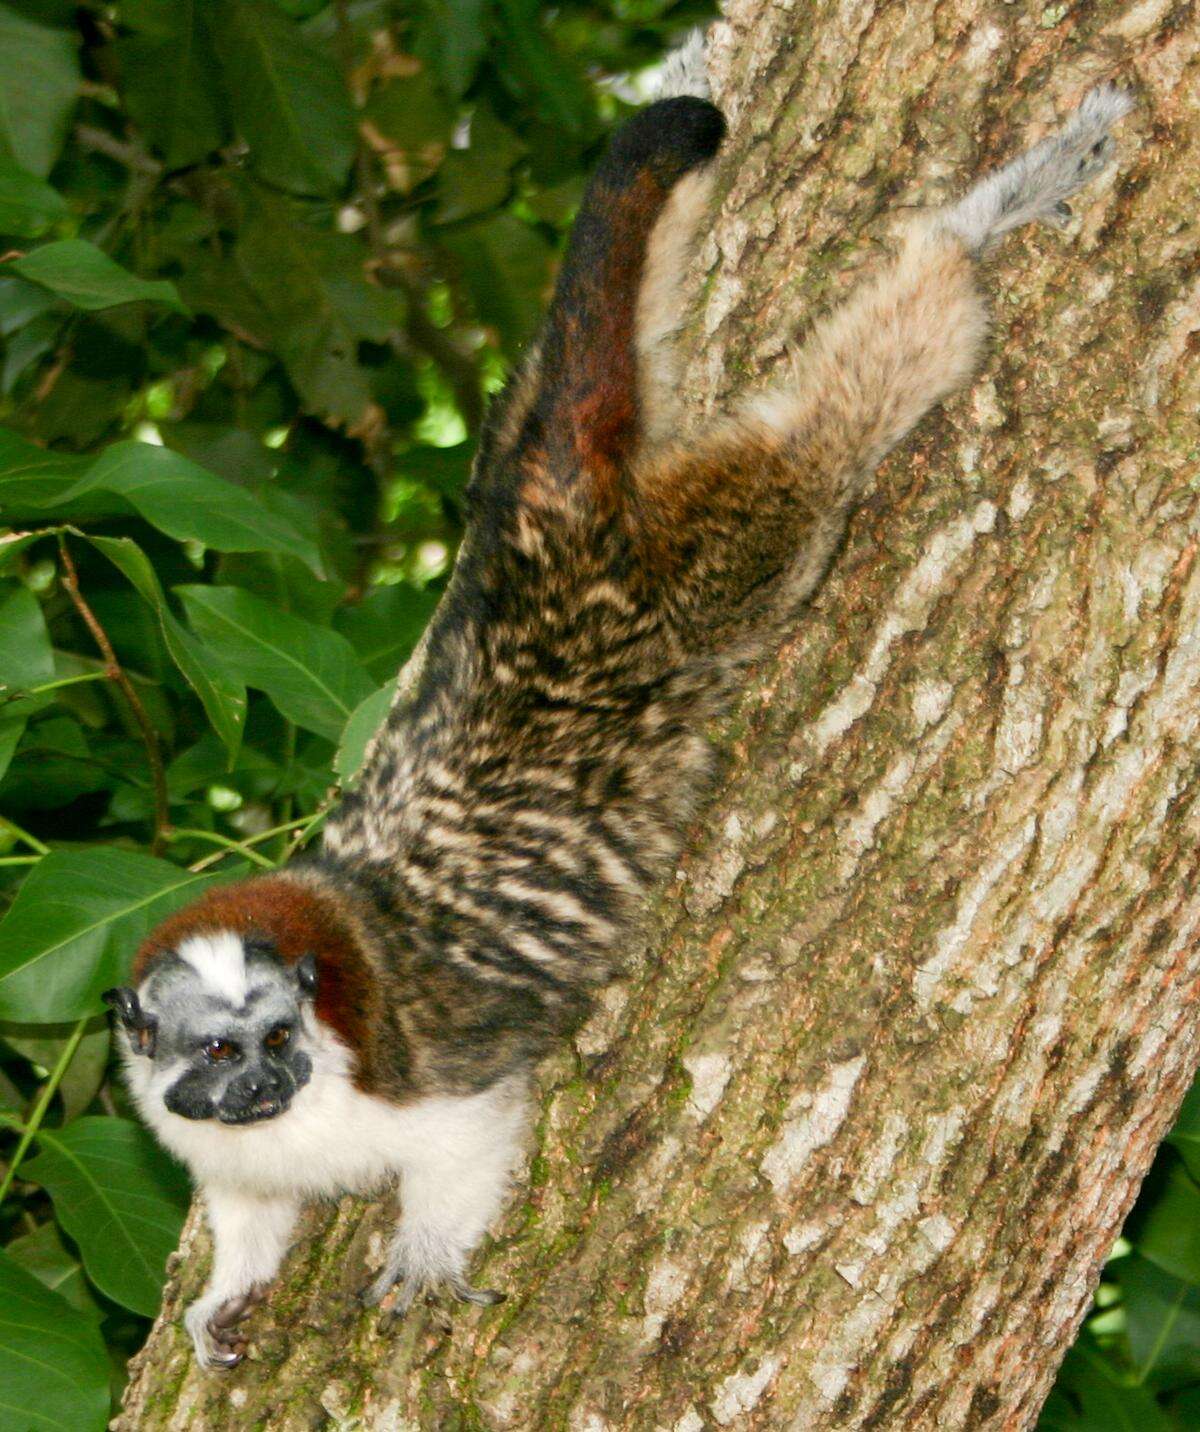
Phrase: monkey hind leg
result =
(757, 505)
(750, 512)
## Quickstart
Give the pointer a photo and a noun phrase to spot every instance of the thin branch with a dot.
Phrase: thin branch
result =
(427, 336)
(30, 1128)
(302, 825)
(162, 815)
(227, 843)
(100, 141)
(30, 840)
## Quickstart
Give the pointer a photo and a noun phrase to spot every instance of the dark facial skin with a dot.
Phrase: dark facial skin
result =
(238, 1063)
(241, 1076)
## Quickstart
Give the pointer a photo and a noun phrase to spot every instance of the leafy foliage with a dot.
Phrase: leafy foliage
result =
(260, 263)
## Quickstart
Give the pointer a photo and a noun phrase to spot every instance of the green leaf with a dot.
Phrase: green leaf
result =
(75, 924)
(39, 86)
(310, 282)
(452, 36)
(25, 656)
(53, 1368)
(535, 71)
(171, 84)
(85, 276)
(1162, 1319)
(28, 205)
(360, 728)
(506, 266)
(312, 675)
(223, 698)
(11, 730)
(30, 477)
(445, 469)
(44, 1254)
(1108, 1401)
(122, 1200)
(190, 504)
(476, 179)
(1170, 1232)
(43, 1044)
(385, 626)
(414, 115)
(288, 98)
(1185, 1135)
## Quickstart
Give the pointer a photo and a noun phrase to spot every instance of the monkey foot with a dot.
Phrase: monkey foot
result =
(225, 1335)
(400, 1292)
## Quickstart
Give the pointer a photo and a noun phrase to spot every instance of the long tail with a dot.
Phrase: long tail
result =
(583, 420)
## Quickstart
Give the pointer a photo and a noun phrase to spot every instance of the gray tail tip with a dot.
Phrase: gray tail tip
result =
(684, 71)
(1103, 106)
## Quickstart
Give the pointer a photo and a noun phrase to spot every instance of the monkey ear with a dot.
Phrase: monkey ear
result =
(142, 1027)
(306, 973)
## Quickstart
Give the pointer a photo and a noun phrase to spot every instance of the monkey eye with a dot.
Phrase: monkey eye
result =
(276, 1038)
(218, 1050)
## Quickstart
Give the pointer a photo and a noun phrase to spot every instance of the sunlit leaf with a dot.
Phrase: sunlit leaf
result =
(359, 730)
(39, 87)
(26, 658)
(288, 98)
(120, 1198)
(223, 698)
(188, 503)
(44, 1254)
(53, 1366)
(170, 81)
(85, 276)
(75, 924)
(28, 205)
(312, 675)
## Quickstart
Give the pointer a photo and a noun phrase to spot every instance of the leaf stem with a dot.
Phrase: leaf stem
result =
(242, 847)
(30, 840)
(65, 681)
(162, 816)
(301, 826)
(31, 1126)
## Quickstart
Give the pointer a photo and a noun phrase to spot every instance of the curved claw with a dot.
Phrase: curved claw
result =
(481, 1297)
(404, 1291)
(226, 1340)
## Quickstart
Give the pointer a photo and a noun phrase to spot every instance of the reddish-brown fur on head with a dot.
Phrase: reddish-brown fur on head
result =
(298, 919)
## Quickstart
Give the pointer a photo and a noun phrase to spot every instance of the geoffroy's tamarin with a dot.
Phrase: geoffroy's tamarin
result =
(367, 1018)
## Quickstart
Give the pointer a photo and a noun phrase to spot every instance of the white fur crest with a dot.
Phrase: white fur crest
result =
(220, 961)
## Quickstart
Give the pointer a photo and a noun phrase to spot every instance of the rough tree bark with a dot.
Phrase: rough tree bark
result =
(849, 1146)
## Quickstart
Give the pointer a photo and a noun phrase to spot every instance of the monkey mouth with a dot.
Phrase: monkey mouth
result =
(255, 1113)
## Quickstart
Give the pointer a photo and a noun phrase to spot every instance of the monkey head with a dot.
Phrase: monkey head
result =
(222, 1019)
(232, 998)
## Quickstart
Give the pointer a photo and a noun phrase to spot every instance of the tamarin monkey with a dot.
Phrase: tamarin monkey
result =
(367, 1019)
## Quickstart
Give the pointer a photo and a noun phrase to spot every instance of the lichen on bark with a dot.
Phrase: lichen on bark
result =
(848, 1145)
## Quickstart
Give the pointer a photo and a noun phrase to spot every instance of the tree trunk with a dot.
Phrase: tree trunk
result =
(849, 1146)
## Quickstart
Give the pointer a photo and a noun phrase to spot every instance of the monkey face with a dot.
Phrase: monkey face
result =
(223, 1022)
